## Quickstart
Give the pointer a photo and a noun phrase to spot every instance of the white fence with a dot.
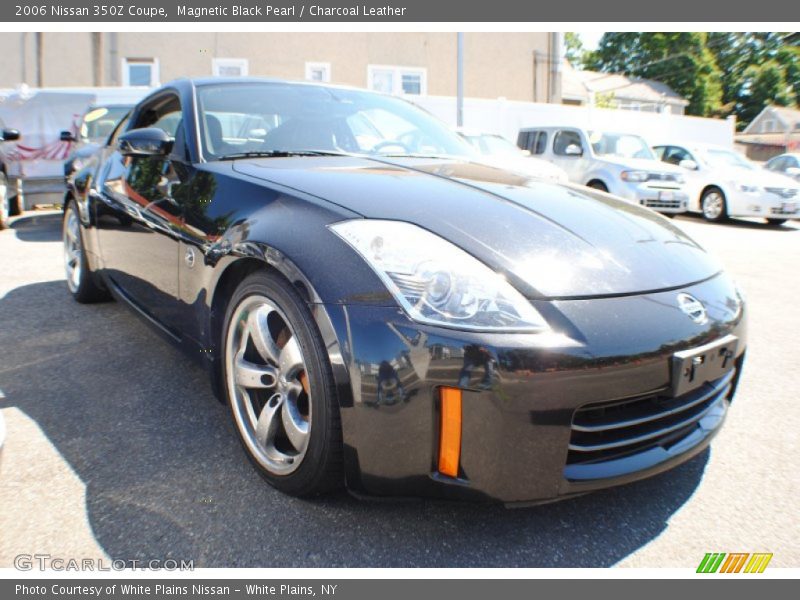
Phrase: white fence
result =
(507, 117)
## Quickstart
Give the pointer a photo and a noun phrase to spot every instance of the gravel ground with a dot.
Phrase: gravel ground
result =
(116, 448)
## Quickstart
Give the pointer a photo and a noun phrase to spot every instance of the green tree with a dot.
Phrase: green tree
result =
(573, 49)
(763, 85)
(682, 60)
(750, 64)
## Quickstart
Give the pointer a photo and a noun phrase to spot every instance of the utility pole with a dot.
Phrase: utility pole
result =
(460, 80)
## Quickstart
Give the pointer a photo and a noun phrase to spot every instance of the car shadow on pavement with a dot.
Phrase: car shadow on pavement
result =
(739, 223)
(38, 227)
(165, 476)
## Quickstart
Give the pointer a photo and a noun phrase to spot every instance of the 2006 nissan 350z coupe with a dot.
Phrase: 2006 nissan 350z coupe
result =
(381, 311)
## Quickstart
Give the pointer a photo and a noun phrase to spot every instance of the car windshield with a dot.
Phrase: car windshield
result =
(285, 118)
(624, 145)
(726, 158)
(100, 121)
(493, 145)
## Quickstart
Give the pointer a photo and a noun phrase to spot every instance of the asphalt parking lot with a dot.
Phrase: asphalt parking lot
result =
(116, 448)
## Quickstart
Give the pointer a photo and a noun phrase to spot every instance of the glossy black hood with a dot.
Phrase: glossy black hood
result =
(550, 240)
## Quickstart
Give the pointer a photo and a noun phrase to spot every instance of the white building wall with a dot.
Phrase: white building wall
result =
(506, 118)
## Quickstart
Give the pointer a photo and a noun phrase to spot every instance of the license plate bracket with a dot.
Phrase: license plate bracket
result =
(693, 367)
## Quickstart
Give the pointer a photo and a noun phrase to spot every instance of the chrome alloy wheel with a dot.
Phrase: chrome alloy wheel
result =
(73, 252)
(713, 205)
(267, 385)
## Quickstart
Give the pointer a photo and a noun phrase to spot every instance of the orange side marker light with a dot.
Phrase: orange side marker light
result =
(450, 431)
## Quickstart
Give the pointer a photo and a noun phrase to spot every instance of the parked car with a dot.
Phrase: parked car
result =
(91, 133)
(549, 340)
(787, 164)
(497, 151)
(619, 163)
(722, 183)
(6, 135)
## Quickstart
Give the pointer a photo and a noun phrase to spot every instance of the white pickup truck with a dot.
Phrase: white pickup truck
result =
(619, 163)
(32, 165)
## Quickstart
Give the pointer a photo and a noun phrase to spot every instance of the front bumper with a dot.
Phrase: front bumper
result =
(764, 204)
(520, 394)
(38, 190)
(662, 199)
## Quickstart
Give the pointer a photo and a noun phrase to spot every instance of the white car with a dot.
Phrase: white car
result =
(619, 163)
(723, 183)
(788, 164)
(497, 151)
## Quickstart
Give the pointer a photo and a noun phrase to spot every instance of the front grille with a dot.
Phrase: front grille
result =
(676, 204)
(782, 192)
(662, 177)
(780, 211)
(611, 430)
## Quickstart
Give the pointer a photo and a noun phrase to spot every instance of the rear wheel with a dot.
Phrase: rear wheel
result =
(81, 281)
(713, 205)
(776, 222)
(280, 388)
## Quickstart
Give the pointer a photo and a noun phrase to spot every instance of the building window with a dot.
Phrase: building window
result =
(318, 71)
(140, 72)
(229, 67)
(397, 80)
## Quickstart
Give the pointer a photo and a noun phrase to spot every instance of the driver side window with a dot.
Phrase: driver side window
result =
(674, 155)
(564, 139)
(165, 113)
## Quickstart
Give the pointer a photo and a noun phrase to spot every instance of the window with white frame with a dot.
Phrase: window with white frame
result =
(396, 80)
(318, 71)
(229, 67)
(140, 72)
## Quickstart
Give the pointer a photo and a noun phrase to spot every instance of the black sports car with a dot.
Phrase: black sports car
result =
(381, 310)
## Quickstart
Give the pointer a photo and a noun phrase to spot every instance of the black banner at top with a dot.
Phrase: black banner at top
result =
(209, 11)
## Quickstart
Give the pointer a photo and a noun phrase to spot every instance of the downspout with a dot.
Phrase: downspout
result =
(39, 59)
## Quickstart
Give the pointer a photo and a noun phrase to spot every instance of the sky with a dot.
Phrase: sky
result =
(590, 39)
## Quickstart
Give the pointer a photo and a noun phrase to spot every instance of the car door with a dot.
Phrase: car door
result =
(564, 143)
(139, 221)
(696, 179)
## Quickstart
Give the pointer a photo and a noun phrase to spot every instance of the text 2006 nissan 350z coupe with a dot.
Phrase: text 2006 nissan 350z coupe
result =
(381, 311)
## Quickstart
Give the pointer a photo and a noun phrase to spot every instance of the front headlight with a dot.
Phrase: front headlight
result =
(635, 176)
(750, 189)
(679, 178)
(435, 281)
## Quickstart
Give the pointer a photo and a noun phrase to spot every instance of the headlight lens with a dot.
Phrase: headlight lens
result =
(748, 188)
(680, 178)
(435, 281)
(636, 176)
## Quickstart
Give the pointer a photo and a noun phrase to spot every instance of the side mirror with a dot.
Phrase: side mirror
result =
(793, 171)
(573, 150)
(67, 136)
(10, 135)
(687, 164)
(149, 141)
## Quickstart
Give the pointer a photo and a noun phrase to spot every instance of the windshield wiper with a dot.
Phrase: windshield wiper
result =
(280, 154)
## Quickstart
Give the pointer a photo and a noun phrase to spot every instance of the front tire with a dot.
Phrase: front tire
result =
(776, 222)
(713, 205)
(598, 185)
(81, 281)
(279, 385)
